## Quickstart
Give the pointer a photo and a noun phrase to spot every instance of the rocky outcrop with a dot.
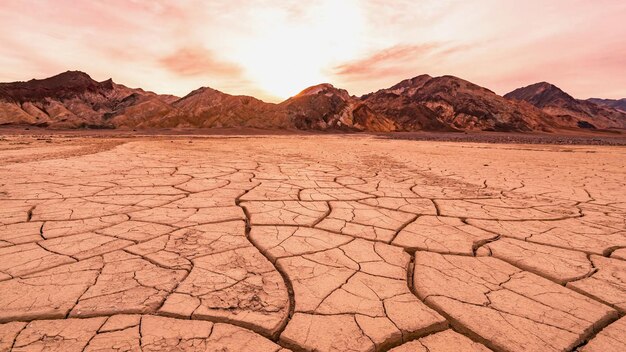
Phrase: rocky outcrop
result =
(324, 107)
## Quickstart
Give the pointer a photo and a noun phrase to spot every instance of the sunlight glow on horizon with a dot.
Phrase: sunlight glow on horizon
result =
(273, 49)
(287, 56)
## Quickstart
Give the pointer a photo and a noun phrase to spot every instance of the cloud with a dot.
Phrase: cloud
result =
(192, 61)
(389, 61)
(274, 45)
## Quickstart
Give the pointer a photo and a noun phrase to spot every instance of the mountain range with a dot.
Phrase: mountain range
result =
(74, 100)
(619, 104)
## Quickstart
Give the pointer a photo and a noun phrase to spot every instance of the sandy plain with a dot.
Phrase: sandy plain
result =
(309, 242)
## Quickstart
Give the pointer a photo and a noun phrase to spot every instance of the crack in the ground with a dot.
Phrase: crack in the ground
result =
(284, 276)
(490, 197)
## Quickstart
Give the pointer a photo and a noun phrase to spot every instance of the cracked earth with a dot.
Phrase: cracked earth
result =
(311, 243)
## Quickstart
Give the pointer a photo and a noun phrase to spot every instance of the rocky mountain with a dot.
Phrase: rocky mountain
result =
(323, 107)
(396, 104)
(567, 111)
(74, 100)
(618, 104)
(450, 103)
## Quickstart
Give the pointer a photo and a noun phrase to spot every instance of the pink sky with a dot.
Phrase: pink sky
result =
(273, 49)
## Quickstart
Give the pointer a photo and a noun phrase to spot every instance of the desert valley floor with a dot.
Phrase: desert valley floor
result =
(310, 242)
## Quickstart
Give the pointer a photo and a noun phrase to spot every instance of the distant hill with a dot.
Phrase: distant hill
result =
(619, 104)
(566, 110)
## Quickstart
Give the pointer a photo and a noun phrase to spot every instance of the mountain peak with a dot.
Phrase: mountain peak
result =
(539, 87)
(540, 94)
(72, 75)
(61, 86)
(543, 86)
(203, 91)
(323, 88)
(316, 89)
(411, 83)
(109, 84)
(65, 79)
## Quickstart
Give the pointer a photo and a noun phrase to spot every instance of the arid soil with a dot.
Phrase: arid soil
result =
(310, 242)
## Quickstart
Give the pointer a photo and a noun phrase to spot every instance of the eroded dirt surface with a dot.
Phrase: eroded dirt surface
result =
(318, 243)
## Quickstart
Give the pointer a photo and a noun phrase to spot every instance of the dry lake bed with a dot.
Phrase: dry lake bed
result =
(310, 242)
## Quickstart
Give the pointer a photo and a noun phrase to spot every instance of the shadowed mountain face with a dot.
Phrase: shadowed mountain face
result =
(567, 111)
(74, 100)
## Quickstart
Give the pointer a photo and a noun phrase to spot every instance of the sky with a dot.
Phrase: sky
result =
(273, 49)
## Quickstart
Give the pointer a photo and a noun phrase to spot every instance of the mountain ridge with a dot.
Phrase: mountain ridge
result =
(72, 99)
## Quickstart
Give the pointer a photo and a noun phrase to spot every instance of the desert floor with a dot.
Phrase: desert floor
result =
(310, 242)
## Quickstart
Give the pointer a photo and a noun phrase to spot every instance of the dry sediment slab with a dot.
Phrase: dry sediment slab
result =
(310, 243)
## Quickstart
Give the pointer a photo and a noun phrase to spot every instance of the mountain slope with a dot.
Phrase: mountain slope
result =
(566, 110)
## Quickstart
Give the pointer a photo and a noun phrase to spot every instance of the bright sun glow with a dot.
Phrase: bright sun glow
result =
(287, 56)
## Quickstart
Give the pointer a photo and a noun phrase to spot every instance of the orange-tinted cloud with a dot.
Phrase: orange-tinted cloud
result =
(387, 61)
(244, 47)
(197, 61)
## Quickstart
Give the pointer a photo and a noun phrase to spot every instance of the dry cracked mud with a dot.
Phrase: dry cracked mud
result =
(310, 243)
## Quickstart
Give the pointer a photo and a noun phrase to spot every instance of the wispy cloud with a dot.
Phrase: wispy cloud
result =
(390, 60)
(197, 61)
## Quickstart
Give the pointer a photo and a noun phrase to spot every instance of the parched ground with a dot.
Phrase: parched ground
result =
(317, 243)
